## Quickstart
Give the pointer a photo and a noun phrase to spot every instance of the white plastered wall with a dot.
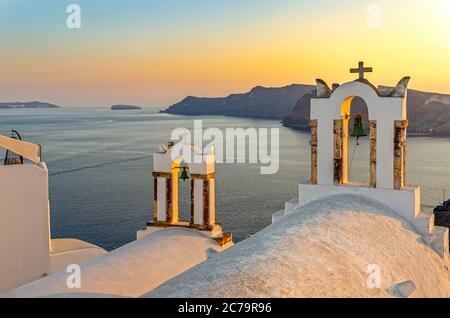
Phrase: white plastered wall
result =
(385, 110)
(161, 199)
(198, 201)
(24, 225)
(405, 202)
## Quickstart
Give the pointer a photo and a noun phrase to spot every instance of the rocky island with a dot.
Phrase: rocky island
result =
(125, 107)
(27, 105)
(260, 102)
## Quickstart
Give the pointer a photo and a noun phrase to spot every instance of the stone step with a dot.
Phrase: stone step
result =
(226, 239)
(290, 206)
(424, 223)
(277, 216)
(216, 231)
(440, 242)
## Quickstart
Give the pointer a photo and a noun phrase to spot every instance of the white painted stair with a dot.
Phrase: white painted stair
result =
(424, 223)
(437, 237)
(289, 207)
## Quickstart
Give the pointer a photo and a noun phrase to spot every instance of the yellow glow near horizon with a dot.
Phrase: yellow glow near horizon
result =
(414, 39)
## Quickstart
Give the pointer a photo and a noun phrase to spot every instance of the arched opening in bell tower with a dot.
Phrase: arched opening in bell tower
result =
(184, 191)
(355, 145)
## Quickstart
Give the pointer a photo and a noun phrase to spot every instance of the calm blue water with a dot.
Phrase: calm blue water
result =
(101, 187)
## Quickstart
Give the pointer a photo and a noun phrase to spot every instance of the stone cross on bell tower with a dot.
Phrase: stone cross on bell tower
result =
(361, 70)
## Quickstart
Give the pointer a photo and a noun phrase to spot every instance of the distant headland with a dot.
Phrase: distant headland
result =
(35, 104)
(429, 113)
(125, 107)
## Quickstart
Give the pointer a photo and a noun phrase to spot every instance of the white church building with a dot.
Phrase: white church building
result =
(336, 239)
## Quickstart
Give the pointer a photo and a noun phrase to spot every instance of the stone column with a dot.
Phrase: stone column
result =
(203, 213)
(155, 199)
(338, 151)
(405, 152)
(373, 153)
(160, 196)
(399, 153)
(165, 198)
(313, 125)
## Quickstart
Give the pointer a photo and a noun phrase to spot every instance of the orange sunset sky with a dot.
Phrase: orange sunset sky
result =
(154, 53)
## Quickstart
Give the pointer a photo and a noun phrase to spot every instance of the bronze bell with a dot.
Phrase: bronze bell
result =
(358, 130)
(184, 175)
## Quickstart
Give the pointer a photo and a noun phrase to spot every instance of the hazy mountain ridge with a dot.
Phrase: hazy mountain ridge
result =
(428, 113)
(260, 102)
(34, 104)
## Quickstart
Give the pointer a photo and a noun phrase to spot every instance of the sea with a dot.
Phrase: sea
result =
(100, 170)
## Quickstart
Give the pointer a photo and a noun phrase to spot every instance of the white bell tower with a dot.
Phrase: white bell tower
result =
(330, 114)
(167, 165)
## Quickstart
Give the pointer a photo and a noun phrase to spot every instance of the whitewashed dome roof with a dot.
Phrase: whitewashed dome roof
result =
(323, 249)
(129, 271)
